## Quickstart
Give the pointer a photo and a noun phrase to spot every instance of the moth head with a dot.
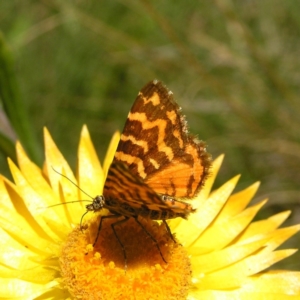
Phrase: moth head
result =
(97, 204)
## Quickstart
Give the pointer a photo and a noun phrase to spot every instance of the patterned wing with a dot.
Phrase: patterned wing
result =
(125, 187)
(156, 146)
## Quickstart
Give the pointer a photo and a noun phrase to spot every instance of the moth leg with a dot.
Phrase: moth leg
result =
(122, 246)
(169, 231)
(100, 225)
(152, 238)
(82, 220)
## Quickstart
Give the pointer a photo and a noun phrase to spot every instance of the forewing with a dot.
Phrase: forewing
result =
(156, 146)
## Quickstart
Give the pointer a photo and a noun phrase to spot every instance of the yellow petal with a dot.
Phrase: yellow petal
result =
(15, 254)
(215, 260)
(234, 276)
(275, 282)
(205, 191)
(30, 202)
(239, 294)
(280, 235)
(90, 173)
(20, 289)
(41, 186)
(238, 201)
(264, 226)
(213, 205)
(227, 230)
(35, 274)
(34, 177)
(111, 151)
(205, 214)
(63, 187)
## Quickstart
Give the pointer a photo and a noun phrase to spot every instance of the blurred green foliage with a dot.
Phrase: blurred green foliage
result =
(233, 66)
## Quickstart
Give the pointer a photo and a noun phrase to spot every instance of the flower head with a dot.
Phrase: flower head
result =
(220, 252)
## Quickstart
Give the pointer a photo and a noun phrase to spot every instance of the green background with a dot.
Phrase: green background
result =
(233, 66)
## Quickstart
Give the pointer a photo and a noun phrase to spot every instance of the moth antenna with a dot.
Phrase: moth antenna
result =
(72, 183)
(75, 201)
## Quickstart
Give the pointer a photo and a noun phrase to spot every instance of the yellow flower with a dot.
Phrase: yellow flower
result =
(220, 254)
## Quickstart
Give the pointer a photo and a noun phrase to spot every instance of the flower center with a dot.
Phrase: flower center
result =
(99, 272)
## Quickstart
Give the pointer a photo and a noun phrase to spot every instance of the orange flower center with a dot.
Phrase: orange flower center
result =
(99, 272)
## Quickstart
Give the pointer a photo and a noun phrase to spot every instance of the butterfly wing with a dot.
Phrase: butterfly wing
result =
(156, 146)
(124, 187)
